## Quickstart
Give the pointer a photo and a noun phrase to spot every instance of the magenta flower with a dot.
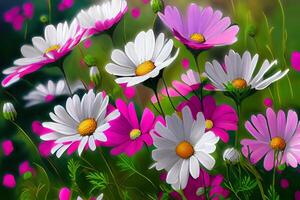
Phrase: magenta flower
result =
(128, 135)
(65, 4)
(275, 132)
(295, 60)
(195, 189)
(136, 12)
(45, 50)
(219, 119)
(7, 147)
(201, 29)
(65, 194)
(9, 181)
(213, 185)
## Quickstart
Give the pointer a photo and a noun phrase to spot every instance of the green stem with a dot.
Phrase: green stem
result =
(158, 102)
(26, 30)
(165, 84)
(49, 10)
(238, 108)
(65, 77)
(111, 173)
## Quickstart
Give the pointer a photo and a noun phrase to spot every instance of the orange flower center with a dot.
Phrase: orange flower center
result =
(184, 150)
(277, 143)
(209, 124)
(179, 114)
(87, 127)
(144, 68)
(52, 48)
(197, 37)
(134, 134)
(239, 83)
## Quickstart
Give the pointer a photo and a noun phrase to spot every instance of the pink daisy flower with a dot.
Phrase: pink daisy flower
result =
(219, 119)
(212, 184)
(102, 17)
(195, 187)
(273, 132)
(201, 28)
(56, 44)
(128, 135)
(129, 92)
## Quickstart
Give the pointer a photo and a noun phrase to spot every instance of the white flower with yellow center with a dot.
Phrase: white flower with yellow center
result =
(57, 42)
(143, 59)
(182, 146)
(238, 72)
(82, 121)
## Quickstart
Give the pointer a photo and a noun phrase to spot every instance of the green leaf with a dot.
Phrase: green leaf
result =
(98, 180)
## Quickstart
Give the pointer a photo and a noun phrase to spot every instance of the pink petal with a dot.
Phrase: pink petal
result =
(185, 63)
(295, 60)
(9, 181)
(28, 10)
(269, 160)
(147, 120)
(25, 167)
(65, 194)
(87, 43)
(10, 15)
(135, 12)
(7, 147)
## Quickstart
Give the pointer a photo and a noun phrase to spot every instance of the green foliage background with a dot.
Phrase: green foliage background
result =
(269, 28)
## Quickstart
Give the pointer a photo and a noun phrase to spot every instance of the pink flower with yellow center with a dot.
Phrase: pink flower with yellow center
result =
(273, 133)
(127, 134)
(201, 28)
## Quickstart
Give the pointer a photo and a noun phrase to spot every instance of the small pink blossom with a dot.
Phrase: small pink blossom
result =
(135, 12)
(9, 181)
(268, 102)
(129, 92)
(87, 43)
(146, 1)
(284, 183)
(295, 60)
(65, 4)
(7, 147)
(185, 63)
(65, 193)
(28, 10)
(25, 167)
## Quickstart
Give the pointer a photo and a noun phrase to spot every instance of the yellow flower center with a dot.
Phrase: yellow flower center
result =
(239, 83)
(209, 124)
(87, 127)
(52, 48)
(134, 134)
(184, 150)
(197, 37)
(179, 114)
(144, 68)
(277, 143)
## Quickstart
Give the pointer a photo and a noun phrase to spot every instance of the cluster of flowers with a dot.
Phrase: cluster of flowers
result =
(184, 141)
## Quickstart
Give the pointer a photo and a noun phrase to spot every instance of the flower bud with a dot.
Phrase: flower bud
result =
(9, 112)
(157, 5)
(95, 75)
(44, 19)
(90, 60)
(231, 155)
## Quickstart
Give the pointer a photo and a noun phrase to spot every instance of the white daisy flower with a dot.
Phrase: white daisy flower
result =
(100, 197)
(83, 120)
(238, 71)
(102, 17)
(57, 42)
(47, 93)
(143, 59)
(182, 147)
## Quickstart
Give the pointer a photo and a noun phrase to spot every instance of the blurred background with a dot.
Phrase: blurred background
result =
(269, 28)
